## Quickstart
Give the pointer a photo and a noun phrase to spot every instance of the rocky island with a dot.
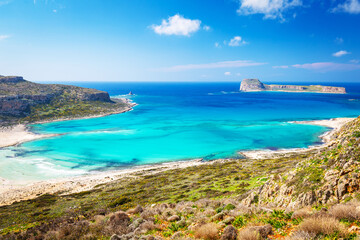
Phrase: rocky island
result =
(254, 85)
(22, 101)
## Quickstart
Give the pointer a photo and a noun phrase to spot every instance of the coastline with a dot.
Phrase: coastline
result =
(11, 192)
(20, 133)
(335, 124)
(14, 135)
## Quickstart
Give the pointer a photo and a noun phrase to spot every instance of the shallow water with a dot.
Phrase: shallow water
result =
(176, 121)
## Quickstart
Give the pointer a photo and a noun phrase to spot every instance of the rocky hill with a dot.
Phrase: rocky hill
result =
(22, 100)
(253, 85)
(326, 177)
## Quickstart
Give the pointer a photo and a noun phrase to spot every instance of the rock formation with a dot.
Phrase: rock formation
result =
(254, 85)
(18, 95)
(20, 99)
(326, 177)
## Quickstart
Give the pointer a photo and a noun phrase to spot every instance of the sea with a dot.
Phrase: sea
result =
(175, 122)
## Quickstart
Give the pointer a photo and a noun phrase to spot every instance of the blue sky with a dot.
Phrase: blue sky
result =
(183, 40)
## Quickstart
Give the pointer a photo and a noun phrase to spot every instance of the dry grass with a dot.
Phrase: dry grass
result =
(322, 225)
(248, 234)
(209, 212)
(207, 231)
(344, 211)
(302, 213)
(301, 235)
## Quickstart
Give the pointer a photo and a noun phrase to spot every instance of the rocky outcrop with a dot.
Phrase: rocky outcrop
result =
(19, 105)
(253, 85)
(11, 79)
(249, 85)
(327, 177)
(17, 95)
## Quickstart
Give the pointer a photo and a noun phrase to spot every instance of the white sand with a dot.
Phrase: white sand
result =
(18, 134)
(14, 135)
(10, 193)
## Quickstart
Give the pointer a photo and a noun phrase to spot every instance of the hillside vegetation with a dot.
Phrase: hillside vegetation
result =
(22, 101)
(309, 196)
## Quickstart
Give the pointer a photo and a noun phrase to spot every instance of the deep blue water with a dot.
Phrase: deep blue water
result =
(176, 121)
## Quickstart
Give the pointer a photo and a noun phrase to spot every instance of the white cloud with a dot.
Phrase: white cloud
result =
(328, 66)
(227, 73)
(217, 45)
(269, 8)
(177, 25)
(206, 28)
(340, 53)
(2, 37)
(226, 64)
(354, 61)
(236, 41)
(284, 66)
(349, 6)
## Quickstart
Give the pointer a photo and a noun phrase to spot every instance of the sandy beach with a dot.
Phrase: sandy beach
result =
(14, 135)
(10, 192)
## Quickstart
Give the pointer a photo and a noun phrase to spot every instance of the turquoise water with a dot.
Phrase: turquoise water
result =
(175, 122)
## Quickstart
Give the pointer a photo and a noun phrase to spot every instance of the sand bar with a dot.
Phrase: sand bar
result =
(18, 134)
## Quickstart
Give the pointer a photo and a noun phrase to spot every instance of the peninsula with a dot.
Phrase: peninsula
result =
(22, 101)
(254, 85)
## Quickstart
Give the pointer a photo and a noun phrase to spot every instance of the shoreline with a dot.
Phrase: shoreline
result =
(17, 134)
(20, 133)
(335, 124)
(11, 192)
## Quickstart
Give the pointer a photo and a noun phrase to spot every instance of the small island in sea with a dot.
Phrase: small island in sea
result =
(254, 85)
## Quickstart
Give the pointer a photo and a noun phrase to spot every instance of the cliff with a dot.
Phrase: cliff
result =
(253, 85)
(22, 100)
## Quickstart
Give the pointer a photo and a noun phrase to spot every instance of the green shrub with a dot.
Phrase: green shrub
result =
(229, 207)
(219, 210)
(119, 202)
(239, 221)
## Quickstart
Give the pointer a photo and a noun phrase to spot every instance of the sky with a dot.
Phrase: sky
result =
(181, 40)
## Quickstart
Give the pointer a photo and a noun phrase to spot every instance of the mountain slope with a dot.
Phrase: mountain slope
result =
(326, 177)
(24, 101)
